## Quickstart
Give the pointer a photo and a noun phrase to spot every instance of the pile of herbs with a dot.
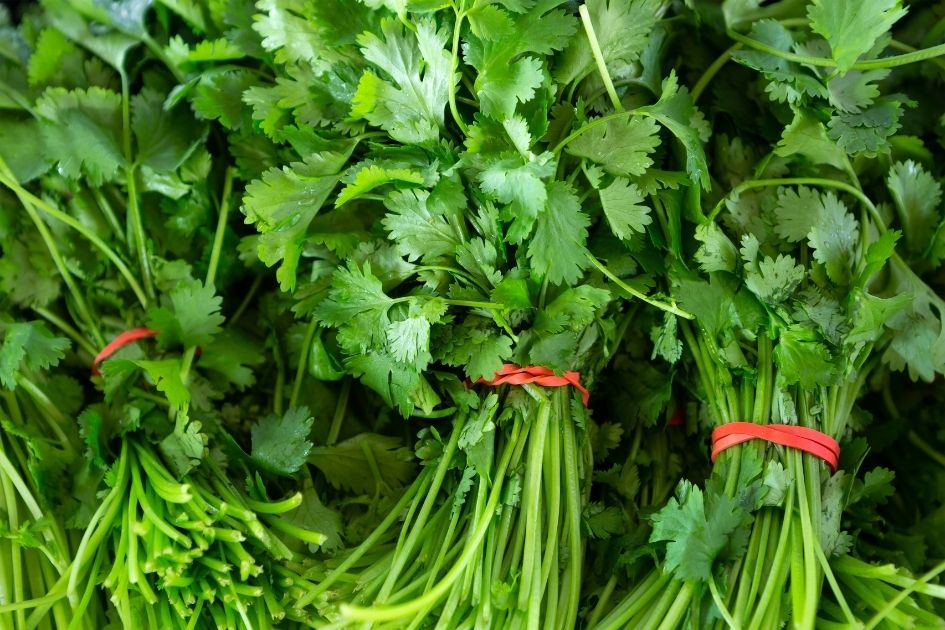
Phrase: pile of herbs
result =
(339, 219)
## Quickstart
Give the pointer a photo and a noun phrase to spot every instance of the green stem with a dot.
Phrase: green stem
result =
(303, 361)
(665, 306)
(109, 253)
(404, 554)
(720, 605)
(378, 613)
(65, 327)
(368, 543)
(457, 27)
(528, 599)
(247, 300)
(901, 596)
(925, 448)
(81, 304)
(340, 408)
(134, 211)
(574, 511)
(221, 228)
(802, 181)
(712, 70)
(873, 64)
(599, 58)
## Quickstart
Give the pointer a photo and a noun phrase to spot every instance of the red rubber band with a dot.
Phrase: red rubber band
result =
(514, 375)
(803, 439)
(119, 342)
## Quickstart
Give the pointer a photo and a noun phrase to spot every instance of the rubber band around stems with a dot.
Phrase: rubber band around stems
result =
(803, 439)
(119, 342)
(511, 374)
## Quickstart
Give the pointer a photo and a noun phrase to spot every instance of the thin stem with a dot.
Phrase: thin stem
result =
(65, 327)
(455, 66)
(109, 253)
(303, 362)
(221, 228)
(924, 54)
(340, 408)
(81, 304)
(368, 543)
(134, 212)
(711, 71)
(599, 58)
(802, 181)
(925, 448)
(603, 120)
(247, 300)
(665, 306)
(898, 45)
(720, 605)
(901, 596)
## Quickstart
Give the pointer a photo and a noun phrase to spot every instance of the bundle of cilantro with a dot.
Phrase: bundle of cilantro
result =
(799, 296)
(139, 509)
(445, 209)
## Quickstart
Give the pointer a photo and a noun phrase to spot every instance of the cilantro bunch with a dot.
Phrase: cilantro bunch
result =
(451, 201)
(172, 488)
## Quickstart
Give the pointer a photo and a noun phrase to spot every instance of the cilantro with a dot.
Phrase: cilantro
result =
(852, 30)
(410, 108)
(557, 248)
(82, 132)
(28, 346)
(283, 203)
(280, 443)
(698, 529)
(621, 146)
(191, 318)
(347, 464)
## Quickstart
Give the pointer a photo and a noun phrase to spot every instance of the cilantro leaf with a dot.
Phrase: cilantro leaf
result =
(557, 249)
(422, 224)
(599, 521)
(280, 444)
(521, 185)
(775, 279)
(622, 146)
(696, 533)
(506, 74)
(29, 346)
(476, 348)
(852, 28)
(283, 204)
(868, 131)
(165, 138)
(917, 197)
(82, 132)
(356, 303)
(372, 176)
(834, 239)
(410, 107)
(622, 207)
(676, 111)
(191, 318)
(345, 464)
(802, 358)
(716, 252)
(574, 309)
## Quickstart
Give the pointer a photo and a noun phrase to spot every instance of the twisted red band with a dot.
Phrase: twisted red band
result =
(803, 439)
(514, 375)
(122, 340)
